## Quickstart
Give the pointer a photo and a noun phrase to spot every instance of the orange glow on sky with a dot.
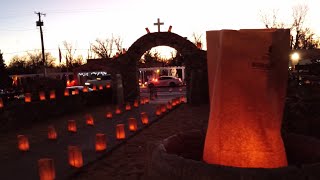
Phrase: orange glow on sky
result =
(81, 22)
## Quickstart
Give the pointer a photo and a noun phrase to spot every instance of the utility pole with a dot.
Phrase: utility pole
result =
(40, 24)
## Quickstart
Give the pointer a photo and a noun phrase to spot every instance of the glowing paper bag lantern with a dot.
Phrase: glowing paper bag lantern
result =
(146, 100)
(1, 103)
(75, 156)
(52, 133)
(101, 142)
(144, 118)
(100, 87)
(169, 105)
(42, 96)
(183, 99)
(132, 122)
(247, 89)
(109, 115)
(75, 92)
(128, 107)
(27, 97)
(85, 89)
(72, 126)
(66, 92)
(158, 111)
(89, 120)
(108, 85)
(120, 133)
(163, 108)
(94, 87)
(118, 110)
(46, 169)
(142, 100)
(23, 143)
(52, 94)
(136, 103)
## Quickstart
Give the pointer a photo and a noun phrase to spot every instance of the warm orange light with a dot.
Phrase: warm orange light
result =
(132, 122)
(42, 96)
(1, 103)
(128, 107)
(89, 120)
(75, 92)
(163, 108)
(85, 89)
(23, 143)
(173, 102)
(109, 115)
(178, 101)
(66, 92)
(158, 111)
(94, 87)
(169, 105)
(246, 96)
(108, 85)
(101, 142)
(136, 103)
(52, 94)
(52, 133)
(72, 126)
(146, 100)
(142, 100)
(118, 110)
(120, 133)
(27, 97)
(75, 156)
(183, 99)
(46, 169)
(144, 118)
(100, 87)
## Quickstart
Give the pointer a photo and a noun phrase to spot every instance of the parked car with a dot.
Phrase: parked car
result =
(103, 80)
(165, 81)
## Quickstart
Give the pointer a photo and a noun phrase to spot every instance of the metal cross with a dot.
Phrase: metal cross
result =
(158, 24)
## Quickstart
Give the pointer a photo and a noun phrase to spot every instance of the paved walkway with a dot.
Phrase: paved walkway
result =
(128, 161)
(23, 165)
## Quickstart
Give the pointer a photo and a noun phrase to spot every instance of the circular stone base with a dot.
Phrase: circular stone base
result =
(180, 157)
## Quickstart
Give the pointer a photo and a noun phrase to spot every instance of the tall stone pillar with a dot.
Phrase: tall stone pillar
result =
(247, 73)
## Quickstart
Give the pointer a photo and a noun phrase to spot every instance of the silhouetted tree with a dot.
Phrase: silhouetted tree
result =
(107, 48)
(4, 77)
(18, 65)
(301, 37)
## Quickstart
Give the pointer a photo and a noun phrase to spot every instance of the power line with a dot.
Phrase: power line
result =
(5, 30)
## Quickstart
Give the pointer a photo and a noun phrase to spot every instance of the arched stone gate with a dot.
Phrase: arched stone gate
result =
(195, 62)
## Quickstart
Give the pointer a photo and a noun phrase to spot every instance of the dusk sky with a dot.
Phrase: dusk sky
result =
(81, 22)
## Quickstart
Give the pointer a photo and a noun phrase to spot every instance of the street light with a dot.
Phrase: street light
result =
(295, 59)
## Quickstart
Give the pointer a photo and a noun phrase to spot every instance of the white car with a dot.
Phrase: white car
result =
(165, 81)
(103, 80)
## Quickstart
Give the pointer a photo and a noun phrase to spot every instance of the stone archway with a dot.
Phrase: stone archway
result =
(195, 62)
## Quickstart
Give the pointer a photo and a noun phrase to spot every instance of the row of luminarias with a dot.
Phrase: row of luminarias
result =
(52, 95)
(46, 166)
